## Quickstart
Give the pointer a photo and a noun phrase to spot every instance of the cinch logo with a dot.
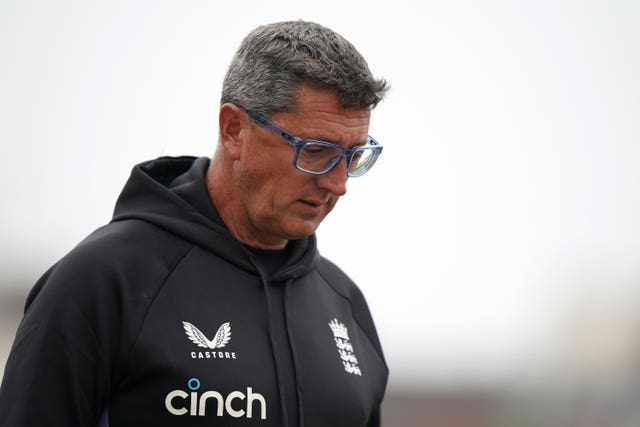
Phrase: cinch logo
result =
(180, 402)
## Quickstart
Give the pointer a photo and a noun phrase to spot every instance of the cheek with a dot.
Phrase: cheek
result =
(253, 168)
(268, 180)
(263, 190)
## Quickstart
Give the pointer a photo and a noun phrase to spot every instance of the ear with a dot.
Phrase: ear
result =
(232, 121)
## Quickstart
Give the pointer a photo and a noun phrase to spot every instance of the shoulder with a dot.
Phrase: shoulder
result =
(111, 259)
(343, 285)
(131, 240)
(97, 296)
(83, 316)
(127, 244)
(338, 279)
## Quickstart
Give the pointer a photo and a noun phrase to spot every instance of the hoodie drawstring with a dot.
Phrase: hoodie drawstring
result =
(277, 362)
(265, 286)
(294, 353)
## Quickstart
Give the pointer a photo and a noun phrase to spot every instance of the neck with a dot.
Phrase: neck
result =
(222, 192)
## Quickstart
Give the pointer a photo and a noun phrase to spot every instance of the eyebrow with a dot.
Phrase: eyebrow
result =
(347, 147)
(265, 122)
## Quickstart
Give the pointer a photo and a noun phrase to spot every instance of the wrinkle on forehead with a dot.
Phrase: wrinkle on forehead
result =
(320, 115)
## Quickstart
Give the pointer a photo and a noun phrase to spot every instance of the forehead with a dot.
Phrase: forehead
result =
(320, 115)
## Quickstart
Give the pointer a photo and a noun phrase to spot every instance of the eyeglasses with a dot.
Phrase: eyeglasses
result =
(319, 157)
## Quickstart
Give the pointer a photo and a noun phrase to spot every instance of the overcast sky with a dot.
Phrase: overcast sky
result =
(506, 195)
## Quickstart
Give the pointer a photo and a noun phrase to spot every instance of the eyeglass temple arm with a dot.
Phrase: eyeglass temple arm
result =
(271, 127)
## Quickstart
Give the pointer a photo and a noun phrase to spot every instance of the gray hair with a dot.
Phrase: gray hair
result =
(274, 59)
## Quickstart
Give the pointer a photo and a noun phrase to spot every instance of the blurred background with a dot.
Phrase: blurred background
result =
(497, 237)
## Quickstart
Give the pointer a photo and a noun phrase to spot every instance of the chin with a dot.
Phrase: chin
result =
(302, 232)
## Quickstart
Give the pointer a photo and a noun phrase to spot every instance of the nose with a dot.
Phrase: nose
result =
(335, 180)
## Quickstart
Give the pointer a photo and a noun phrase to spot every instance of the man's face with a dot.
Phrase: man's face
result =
(279, 202)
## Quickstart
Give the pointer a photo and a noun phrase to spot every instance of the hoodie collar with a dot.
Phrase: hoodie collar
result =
(170, 192)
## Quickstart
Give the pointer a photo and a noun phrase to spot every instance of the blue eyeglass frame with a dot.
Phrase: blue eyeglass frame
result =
(300, 143)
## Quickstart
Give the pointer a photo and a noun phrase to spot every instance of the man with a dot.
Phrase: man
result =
(205, 301)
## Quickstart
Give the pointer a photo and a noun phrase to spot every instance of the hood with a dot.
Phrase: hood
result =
(170, 193)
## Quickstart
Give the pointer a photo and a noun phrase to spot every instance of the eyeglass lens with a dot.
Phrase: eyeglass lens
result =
(321, 158)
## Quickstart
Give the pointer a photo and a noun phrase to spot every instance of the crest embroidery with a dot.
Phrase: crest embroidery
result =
(345, 349)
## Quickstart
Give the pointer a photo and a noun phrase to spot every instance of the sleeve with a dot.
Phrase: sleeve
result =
(81, 323)
(361, 312)
(59, 368)
(362, 316)
(375, 420)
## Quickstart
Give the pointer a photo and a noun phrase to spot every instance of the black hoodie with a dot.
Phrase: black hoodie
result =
(162, 318)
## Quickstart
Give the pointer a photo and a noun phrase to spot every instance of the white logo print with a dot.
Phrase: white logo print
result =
(194, 403)
(220, 340)
(345, 349)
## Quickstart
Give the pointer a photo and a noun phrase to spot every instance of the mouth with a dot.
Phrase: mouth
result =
(313, 207)
(313, 203)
